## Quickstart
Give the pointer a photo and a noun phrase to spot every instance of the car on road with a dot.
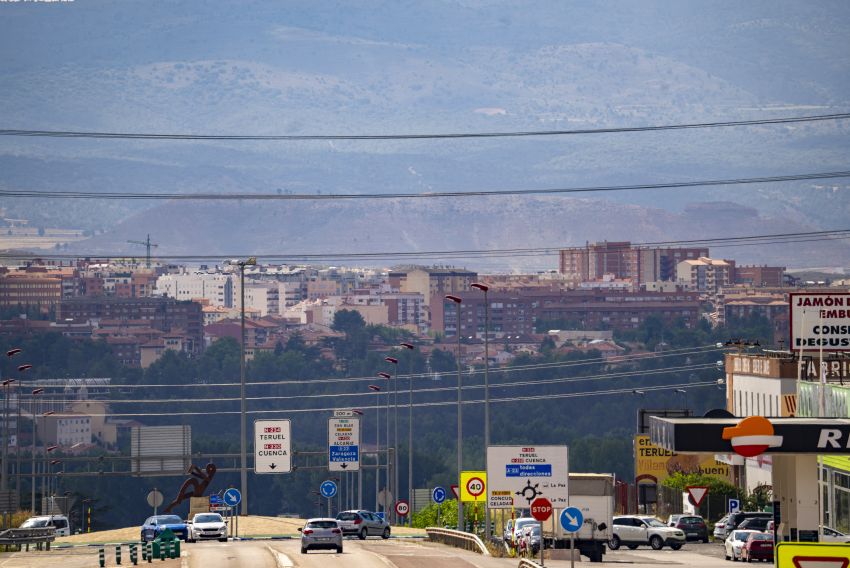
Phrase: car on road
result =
(692, 525)
(321, 533)
(755, 523)
(58, 522)
(205, 526)
(759, 546)
(637, 530)
(735, 519)
(514, 528)
(735, 542)
(154, 526)
(720, 528)
(362, 524)
(832, 535)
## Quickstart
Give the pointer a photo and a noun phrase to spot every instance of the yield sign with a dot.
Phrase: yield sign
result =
(697, 493)
(819, 562)
(455, 491)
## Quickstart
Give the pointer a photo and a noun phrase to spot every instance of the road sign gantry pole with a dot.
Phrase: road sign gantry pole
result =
(460, 520)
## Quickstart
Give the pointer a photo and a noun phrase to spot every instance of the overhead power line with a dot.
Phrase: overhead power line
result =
(435, 136)
(111, 195)
(293, 258)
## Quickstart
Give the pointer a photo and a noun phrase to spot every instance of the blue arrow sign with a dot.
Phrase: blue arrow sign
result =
(438, 495)
(232, 497)
(572, 519)
(327, 489)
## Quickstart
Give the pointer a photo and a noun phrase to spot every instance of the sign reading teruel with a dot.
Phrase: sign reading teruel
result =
(820, 320)
(344, 444)
(272, 446)
(517, 475)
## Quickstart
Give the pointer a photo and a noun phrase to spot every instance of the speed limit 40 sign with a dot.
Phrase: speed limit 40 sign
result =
(473, 486)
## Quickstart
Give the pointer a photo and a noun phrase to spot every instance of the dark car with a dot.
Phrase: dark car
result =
(737, 518)
(759, 546)
(154, 526)
(693, 526)
(755, 523)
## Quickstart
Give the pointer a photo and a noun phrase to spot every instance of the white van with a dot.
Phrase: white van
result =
(58, 522)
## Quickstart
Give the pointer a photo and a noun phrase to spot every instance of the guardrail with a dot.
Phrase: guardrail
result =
(19, 537)
(526, 563)
(458, 539)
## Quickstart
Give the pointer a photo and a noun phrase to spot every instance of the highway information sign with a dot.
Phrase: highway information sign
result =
(272, 446)
(344, 444)
(517, 475)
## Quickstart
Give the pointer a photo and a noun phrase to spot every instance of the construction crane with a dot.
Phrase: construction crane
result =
(148, 244)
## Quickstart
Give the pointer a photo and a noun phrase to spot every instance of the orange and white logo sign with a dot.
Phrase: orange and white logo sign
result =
(752, 436)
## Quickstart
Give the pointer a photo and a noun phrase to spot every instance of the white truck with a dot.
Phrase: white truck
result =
(593, 495)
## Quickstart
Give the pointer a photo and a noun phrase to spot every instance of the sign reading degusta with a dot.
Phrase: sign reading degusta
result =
(820, 321)
(517, 475)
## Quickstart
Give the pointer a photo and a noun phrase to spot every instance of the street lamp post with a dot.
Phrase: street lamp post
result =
(243, 462)
(393, 361)
(35, 393)
(4, 474)
(409, 346)
(461, 525)
(359, 474)
(377, 390)
(388, 489)
(484, 288)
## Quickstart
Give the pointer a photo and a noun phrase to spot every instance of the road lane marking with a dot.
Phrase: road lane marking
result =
(283, 561)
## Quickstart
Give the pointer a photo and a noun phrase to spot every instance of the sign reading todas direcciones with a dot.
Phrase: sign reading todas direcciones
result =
(820, 321)
(272, 446)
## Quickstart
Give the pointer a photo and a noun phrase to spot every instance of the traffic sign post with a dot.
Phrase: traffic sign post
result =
(473, 485)
(155, 499)
(697, 493)
(541, 509)
(272, 446)
(571, 519)
(734, 506)
(343, 443)
(402, 508)
(232, 497)
(517, 475)
(328, 490)
(438, 495)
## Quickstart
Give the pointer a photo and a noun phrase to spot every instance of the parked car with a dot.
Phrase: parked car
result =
(321, 533)
(363, 524)
(514, 528)
(58, 522)
(531, 533)
(154, 526)
(759, 546)
(735, 542)
(720, 528)
(832, 535)
(755, 523)
(692, 525)
(207, 526)
(736, 519)
(635, 530)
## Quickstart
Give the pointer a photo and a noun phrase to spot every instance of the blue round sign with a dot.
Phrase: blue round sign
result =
(438, 495)
(327, 489)
(232, 497)
(572, 519)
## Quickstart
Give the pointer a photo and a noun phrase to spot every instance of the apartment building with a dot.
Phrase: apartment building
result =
(706, 275)
(38, 286)
(218, 289)
(624, 261)
(431, 282)
(760, 276)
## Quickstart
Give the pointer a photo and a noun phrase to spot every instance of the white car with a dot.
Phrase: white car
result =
(207, 526)
(58, 522)
(636, 530)
(832, 535)
(514, 528)
(720, 528)
(735, 542)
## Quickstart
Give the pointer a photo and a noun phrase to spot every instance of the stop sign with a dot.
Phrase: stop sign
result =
(541, 509)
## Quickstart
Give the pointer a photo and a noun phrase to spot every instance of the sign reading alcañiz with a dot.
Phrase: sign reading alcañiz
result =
(820, 321)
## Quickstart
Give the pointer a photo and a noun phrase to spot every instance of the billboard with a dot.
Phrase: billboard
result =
(160, 449)
(654, 464)
(820, 321)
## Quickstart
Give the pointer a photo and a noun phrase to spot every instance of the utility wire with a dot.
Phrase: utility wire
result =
(110, 195)
(436, 136)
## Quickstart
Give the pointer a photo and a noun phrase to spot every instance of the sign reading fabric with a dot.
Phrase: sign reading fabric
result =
(820, 321)
(654, 464)
(272, 446)
(517, 475)
(344, 444)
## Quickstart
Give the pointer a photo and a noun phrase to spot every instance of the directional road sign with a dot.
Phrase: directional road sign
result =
(402, 508)
(517, 475)
(473, 485)
(571, 519)
(734, 505)
(697, 493)
(327, 489)
(438, 495)
(232, 497)
(344, 444)
(541, 509)
(272, 446)
(343, 413)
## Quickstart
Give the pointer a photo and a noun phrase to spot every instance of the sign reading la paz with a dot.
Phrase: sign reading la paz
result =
(517, 475)
(820, 321)
(344, 444)
(272, 446)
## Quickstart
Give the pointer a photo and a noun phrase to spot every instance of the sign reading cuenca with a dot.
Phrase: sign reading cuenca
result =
(272, 446)
(820, 321)
(517, 475)
(344, 444)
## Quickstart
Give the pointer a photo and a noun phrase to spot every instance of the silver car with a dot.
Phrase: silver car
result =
(363, 524)
(321, 533)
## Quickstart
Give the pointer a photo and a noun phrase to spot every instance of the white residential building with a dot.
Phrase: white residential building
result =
(218, 289)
